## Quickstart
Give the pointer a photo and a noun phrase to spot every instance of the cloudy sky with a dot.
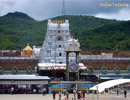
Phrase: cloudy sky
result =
(44, 9)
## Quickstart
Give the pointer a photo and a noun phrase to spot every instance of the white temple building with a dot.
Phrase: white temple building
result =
(52, 53)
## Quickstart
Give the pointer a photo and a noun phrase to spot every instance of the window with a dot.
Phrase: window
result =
(51, 31)
(60, 54)
(59, 46)
(59, 38)
(67, 31)
(58, 31)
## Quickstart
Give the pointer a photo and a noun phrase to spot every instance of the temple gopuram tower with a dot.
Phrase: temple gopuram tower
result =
(52, 60)
(56, 38)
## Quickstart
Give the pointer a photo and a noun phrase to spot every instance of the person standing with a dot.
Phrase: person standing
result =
(74, 91)
(59, 95)
(83, 94)
(54, 95)
(87, 91)
(78, 95)
(117, 91)
(12, 90)
(67, 95)
(43, 92)
(64, 92)
(125, 93)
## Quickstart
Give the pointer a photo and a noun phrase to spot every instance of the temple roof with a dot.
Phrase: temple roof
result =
(54, 25)
(27, 48)
(73, 46)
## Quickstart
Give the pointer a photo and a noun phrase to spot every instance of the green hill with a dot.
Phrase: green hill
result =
(78, 23)
(110, 36)
(17, 29)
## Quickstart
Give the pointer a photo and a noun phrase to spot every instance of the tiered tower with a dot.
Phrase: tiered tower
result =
(56, 40)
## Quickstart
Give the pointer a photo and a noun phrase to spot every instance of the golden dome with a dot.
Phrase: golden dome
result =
(27, 51)
(28, 48)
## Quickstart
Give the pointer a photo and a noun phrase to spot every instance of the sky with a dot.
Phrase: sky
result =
(44, 9)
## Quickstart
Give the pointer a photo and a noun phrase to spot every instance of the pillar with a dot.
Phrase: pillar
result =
(77, 62)
(93, 94)
(67, 66)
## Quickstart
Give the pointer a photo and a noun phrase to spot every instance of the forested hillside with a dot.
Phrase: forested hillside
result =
(17, 29)
(110, 36)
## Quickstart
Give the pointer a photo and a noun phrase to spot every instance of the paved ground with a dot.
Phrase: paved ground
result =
(49, 97)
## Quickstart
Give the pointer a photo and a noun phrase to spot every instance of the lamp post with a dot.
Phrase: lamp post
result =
(93, 94)
(76, 86)
(97, 92)
(104, 94)
(61, 84)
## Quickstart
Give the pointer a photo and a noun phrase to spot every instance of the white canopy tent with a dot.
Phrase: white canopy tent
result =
(108, 84)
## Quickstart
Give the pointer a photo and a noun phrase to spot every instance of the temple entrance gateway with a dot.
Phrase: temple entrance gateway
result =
(72, 68)
(52, 61)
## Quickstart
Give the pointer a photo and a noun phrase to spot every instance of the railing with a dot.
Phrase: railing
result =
(18, 72)
(18, 58)
(114, 58)
(108, 72)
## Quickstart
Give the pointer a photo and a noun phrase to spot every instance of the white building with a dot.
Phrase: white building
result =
(36, 51)
(52, 53)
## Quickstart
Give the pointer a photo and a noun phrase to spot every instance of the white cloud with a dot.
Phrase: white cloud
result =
(7, 0)
(123, 14)
(5, 4)
(38, 9)
(43, 9)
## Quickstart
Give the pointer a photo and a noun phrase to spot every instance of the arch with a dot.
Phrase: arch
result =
(104, 70)
(15, 69)
(128, 68)
(1, 69)
(108, 84)
(90, 69)
(59, 38)
(29, 69)
(117, 70)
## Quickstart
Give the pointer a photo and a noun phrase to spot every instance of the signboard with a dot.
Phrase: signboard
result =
(73, 67)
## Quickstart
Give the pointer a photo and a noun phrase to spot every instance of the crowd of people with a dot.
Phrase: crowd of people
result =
(20, 89)
(77, 94)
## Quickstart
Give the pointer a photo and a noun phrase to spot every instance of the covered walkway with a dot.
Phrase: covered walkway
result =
(23, 84)
(23, 79)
